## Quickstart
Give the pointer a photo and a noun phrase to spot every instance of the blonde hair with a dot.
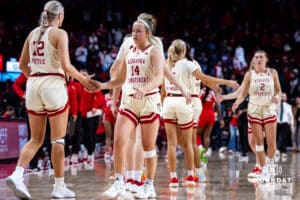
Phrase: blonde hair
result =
(175, 50)
(149, 19)
(49, 14)
(149, 22)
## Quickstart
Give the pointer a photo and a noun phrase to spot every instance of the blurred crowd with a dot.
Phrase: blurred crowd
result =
(223, 36)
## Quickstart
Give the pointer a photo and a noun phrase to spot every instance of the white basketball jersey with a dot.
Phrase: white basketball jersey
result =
(43, 56)
(196, 83)
(126, 46)
(182, 71)
(261, 88)
(139, 69)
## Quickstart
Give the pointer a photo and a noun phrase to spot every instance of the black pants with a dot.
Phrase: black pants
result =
(283, 132)
(90, 126)
(216, 136)
(243, 131)
(76, 139)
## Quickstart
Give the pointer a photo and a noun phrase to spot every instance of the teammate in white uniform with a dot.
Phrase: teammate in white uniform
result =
(142, 69)
(46, 50)
(135, 154)
(264, 90)
(251, 138)
(176, 112)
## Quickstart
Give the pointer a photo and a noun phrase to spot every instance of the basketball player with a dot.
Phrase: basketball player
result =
(135, 154)
(255, 172)
(177, 113)
(46, 49)
(264, 90)
(142, 68)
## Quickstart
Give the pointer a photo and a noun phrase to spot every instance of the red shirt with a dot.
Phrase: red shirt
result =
(90, 100)
(19, 85)
(79, 89)
(209, 103)
(73, 101)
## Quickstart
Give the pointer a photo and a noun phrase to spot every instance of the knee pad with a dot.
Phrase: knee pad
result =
(150, 154)
(259, 148)
(59, 141)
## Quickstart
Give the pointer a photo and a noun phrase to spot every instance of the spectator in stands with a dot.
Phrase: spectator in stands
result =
(81, 54)
(9, 112)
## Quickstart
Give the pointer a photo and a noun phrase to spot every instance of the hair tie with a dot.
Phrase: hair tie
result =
(145, 24)
(46, 11)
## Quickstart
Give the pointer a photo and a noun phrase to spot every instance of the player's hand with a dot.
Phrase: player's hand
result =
(187, 96)
(275, 99)
(90, 84)
(219, 98)
(114, 110)
(233, 84)
(217, 89)
(139, 93)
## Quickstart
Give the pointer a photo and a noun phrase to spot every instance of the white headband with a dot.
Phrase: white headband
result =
(145, 24)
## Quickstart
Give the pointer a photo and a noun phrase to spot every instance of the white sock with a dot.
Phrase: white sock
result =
(130, 174)
(257, 165)
(19, 171)
(138, 175)
(173, 174)
(190, 172)
(60, 182)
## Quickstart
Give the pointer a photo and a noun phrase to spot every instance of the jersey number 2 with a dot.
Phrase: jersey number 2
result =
(262, 86)
(39, 48)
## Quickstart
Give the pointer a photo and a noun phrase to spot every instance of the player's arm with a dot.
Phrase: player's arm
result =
(119, 79)
(174, 81)
(25, 58)
(276, 98)
(243, 93)
(205, 78)
(158, 71)
(163, 91)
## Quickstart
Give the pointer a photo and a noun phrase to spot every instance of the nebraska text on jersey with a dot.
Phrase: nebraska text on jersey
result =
(138, 79)
(136, 61)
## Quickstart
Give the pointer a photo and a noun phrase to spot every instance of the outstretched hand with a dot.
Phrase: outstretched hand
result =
(219, 98)
(92, 85)
(217, 89)
(234, 84)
